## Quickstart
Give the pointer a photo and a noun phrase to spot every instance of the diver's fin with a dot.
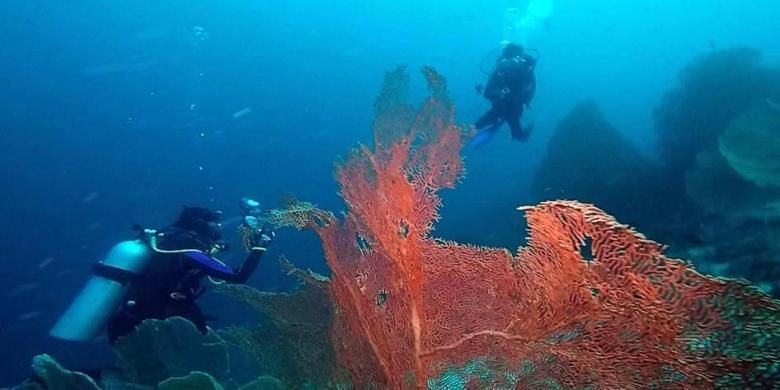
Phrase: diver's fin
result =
(483, 137)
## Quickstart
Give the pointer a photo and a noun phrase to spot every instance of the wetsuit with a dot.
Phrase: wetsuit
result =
(172, 283)
(510, 88)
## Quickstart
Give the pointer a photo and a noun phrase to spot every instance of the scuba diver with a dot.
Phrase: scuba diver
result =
(510, 88)
(159, 275)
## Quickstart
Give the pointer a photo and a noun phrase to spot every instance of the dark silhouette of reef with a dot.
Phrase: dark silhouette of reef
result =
(589, 160)
(718, 147)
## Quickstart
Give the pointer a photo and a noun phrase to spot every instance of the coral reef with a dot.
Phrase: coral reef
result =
(51, 375)
(713, 90)
(162, 354)
(745, 167)
(160, 349)
(719, 190)
(290, 341)
(718, 142)
(751, 144)
(718, 135)
(588, 160)
(589, 303)
(264, 383)
(56, 377)
(195, 380)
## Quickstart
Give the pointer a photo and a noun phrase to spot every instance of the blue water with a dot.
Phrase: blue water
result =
(121, 112)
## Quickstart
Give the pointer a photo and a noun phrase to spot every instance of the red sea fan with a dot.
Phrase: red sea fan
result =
(588, 303)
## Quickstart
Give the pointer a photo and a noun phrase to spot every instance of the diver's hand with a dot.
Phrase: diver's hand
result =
(261, 239)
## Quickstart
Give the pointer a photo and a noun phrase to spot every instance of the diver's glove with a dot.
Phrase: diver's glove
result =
(261, 239)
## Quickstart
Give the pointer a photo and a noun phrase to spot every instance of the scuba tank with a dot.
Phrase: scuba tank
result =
(87, 315)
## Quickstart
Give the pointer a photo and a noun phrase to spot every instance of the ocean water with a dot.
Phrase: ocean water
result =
(121, 112)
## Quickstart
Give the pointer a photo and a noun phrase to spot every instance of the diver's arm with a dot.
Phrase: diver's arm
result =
(492, 90)
(246, 270)
(530, 91)
(260, 241)
(239, 275)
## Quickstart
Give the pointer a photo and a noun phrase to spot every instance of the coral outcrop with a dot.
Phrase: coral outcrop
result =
(290, 340)
(589, 160)
(588, 303)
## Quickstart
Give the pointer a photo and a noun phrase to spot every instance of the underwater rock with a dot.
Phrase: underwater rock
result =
(712, 91)
(740, 178)
(196, 380)
(751, 145)
(743, 223)
(589, 160)
(160, 349)
(719, 190)
(705, 128)
(57, 377)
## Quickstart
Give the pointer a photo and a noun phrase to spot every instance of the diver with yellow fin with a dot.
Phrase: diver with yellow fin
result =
(159, 275)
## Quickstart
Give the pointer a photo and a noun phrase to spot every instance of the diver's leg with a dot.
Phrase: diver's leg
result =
(194, 314)
(514, 125)
(488, 124)
(513, 120)
(492, 117)
(121, 324)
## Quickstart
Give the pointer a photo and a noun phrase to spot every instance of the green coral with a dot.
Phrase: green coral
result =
(264, 383)
(160, 349)
(751, 144)
(736, 198)
(713, 91)
(196, 380)
(57, 377)
(291, 339)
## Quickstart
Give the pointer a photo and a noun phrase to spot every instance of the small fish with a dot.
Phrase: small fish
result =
(91, 197)
(28, 316)
(242, 112)
(45, 262)
(772, 104)
(93, 226)
(23, 288)
(124, 67)
(155, 33)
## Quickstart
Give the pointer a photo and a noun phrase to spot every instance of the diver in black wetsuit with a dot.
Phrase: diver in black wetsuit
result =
(181, 257)
(158, 276)
(510, 88)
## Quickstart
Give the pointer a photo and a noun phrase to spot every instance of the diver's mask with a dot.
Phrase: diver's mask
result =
(214, 230)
